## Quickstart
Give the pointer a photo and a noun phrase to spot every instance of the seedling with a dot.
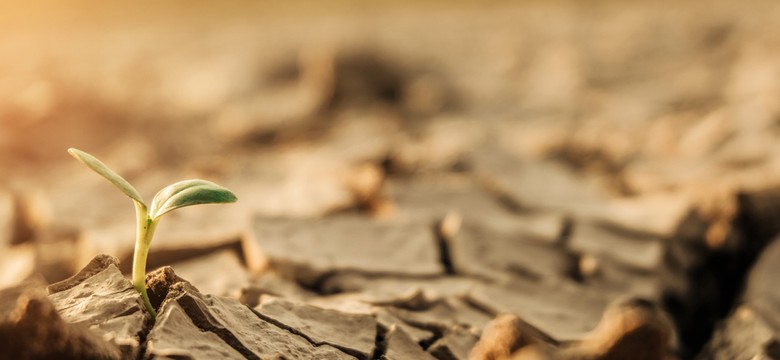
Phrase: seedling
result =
(180, 194)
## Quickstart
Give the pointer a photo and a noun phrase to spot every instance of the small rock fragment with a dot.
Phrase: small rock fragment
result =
(400, 346)
(506, 334)
(389, 320)
(159, 282)
(455, 344)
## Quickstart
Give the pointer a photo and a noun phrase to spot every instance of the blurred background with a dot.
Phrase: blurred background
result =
(643, 115)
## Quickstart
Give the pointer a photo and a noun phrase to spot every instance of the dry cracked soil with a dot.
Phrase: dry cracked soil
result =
(435, 180)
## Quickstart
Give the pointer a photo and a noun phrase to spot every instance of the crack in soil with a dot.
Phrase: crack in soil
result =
(143, 338)
(204, 321)
(380, 344)
(289, 329)
(443, 245)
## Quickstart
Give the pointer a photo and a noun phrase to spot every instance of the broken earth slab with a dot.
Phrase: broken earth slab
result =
(430, 198)
(100, 298)
(388, 320)
(401, 346)
(563, 310)
(479, 252)
(359, 293)
(455, 344)
(233, 323)
(348, 304)
(354, 304)
(535, 184)
(444, 315)
(658, 214)
(398, 290)
(175, 336)
(352, 333)
(634, 249)
(31, 328)
(448, 328)
(308, 250)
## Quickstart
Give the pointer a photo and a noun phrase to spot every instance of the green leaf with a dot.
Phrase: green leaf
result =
(186, 193)
(100, 168)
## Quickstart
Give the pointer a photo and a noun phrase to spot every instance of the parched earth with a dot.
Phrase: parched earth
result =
(545, 180)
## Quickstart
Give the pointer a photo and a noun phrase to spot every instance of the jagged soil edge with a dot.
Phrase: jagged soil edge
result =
(200, 319)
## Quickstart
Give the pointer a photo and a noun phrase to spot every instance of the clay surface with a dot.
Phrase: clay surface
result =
(407, 173)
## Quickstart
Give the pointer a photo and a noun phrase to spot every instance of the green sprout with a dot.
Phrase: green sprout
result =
(180, 194)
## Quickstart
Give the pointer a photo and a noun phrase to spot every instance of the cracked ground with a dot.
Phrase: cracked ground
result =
(415, 180)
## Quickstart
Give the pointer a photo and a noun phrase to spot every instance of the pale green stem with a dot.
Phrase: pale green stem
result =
(144, 234)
